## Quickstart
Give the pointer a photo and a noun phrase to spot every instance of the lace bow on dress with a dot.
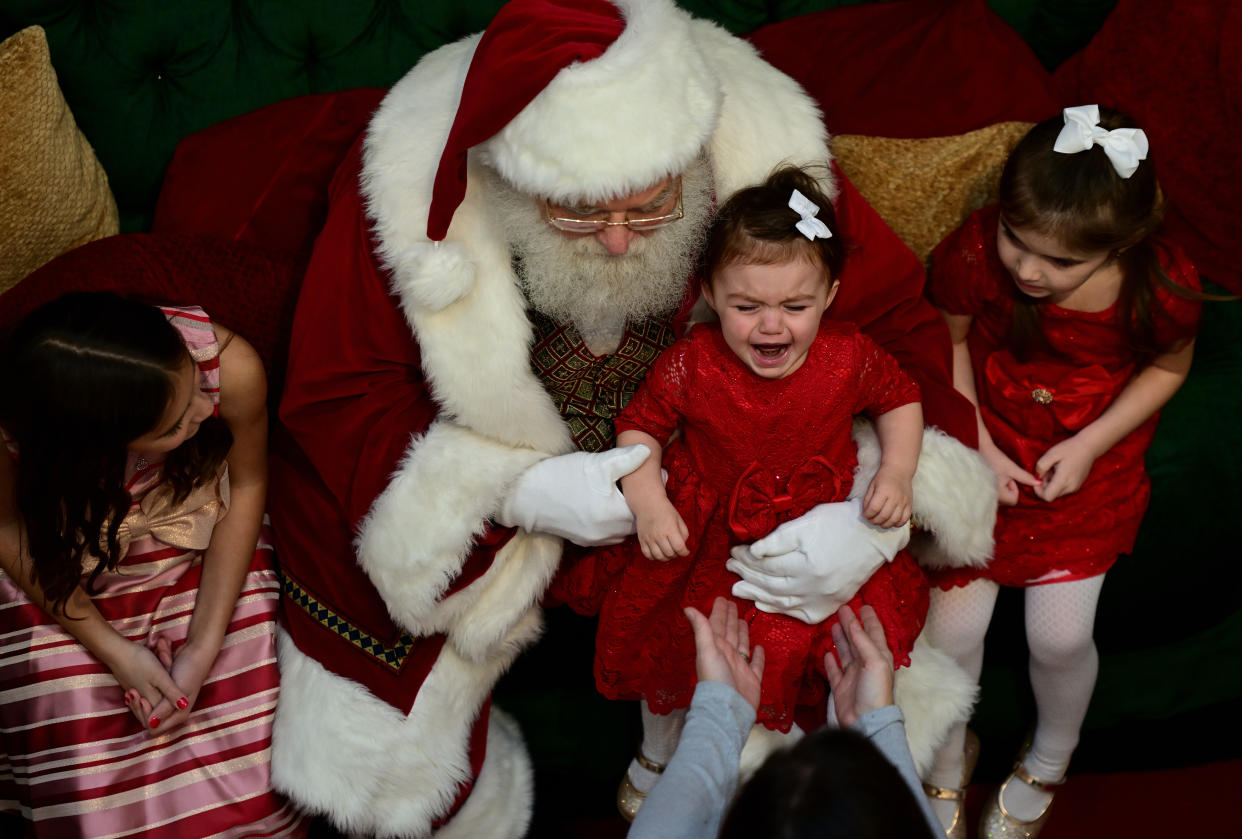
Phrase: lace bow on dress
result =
(1071, 397)
(760, 500)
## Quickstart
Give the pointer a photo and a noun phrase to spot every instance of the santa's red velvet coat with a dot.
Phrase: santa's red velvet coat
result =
(411, 408)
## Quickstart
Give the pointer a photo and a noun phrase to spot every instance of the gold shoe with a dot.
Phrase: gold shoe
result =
(997, 822)
(629, 797)
(970, 756)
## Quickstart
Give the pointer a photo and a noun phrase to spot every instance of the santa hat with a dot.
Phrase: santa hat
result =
(579, 100)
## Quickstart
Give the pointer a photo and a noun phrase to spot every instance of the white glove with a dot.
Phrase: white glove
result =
(575, 496)
(809, 567)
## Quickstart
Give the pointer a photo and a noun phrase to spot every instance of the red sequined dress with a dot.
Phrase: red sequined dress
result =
(1028, 407)
(752, 453)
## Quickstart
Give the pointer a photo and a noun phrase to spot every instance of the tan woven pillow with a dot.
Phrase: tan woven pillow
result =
(925, 188)
(54, 195)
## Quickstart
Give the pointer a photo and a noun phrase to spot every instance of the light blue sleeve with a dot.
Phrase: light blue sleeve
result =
(690, 798)
(886, 728)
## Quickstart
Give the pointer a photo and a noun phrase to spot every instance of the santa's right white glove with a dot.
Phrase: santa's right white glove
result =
(809, 567)
(575, 496)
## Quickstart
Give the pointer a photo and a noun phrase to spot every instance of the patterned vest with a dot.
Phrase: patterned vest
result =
(590, 390)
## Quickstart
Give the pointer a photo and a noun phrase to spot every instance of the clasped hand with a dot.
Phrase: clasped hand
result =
(1062, 470)
(161, 687)
(805, 568)
(575, 496)
(809, 567)
(889, 499)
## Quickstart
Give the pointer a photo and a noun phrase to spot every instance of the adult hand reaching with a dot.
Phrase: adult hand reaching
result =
(575, 496)
(807, 568)
(863, 681)
(722, 647)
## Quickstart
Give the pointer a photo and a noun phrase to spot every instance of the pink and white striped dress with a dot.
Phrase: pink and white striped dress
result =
(73, 760)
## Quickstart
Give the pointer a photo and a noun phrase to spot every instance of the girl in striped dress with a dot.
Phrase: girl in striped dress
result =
(138, 595)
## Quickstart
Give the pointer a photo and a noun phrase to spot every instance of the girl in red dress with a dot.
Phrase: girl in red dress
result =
(1073, 322)
(764, 400)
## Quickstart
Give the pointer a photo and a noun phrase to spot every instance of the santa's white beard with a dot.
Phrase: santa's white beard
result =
(573, 279)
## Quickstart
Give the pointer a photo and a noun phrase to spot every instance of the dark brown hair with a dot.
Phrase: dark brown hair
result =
(1081, 201)
(82, 377)
(832, 784)
(757, 227)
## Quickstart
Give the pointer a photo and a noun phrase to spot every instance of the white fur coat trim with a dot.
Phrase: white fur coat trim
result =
(339, 751)
(464, 304)
(621, 122)
(934, 693)
(461, 296)
(767, 119)
(419, 532)
(500, 805)
(954, 497)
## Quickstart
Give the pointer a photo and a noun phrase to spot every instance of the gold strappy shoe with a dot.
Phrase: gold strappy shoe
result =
(970, 756)
(998, 823)
(629, 797)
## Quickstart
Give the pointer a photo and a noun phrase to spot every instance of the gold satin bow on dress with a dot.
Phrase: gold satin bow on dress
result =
(188, 525)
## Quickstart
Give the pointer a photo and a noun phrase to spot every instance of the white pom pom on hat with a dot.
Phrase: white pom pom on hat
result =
(579, 100)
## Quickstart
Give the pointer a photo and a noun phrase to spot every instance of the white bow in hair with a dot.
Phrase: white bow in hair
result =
(1125, 147)
(810, 227)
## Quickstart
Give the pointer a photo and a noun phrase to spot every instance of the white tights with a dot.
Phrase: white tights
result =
(1060, 621)
(660, 735)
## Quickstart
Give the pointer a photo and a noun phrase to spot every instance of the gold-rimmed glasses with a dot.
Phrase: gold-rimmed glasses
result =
(635, 219)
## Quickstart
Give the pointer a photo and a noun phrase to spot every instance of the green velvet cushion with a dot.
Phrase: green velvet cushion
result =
(141, 74)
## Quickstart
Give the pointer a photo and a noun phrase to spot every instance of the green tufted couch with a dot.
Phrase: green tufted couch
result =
(140, 75)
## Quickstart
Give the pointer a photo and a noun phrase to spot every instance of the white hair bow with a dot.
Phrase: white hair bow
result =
(1125, 147)
(809, 226)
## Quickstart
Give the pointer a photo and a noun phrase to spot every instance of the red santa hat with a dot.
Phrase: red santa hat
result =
(579, 100)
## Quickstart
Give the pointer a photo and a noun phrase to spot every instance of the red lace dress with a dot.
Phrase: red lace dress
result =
(752, 453)
(1028, 407)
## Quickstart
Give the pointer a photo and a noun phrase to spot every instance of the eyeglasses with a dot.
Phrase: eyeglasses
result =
(639, 223)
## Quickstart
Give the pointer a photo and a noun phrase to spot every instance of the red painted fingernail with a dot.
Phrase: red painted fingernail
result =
(183, 703)
(154, 722)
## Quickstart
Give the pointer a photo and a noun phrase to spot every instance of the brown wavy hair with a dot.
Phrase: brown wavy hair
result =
(84, 376)
(1081, 201)
(756, 226)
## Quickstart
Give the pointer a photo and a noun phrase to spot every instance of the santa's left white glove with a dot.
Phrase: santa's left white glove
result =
(809, 567)
(575, 496)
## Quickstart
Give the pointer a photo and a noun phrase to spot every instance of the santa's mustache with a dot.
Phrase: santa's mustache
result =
(575, 279)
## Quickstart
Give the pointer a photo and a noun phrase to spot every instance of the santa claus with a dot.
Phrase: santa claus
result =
(508, 249)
